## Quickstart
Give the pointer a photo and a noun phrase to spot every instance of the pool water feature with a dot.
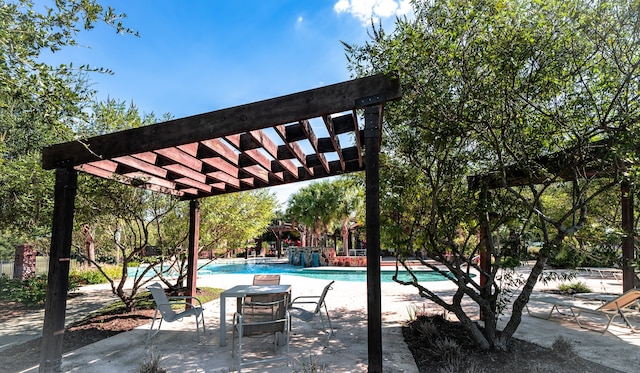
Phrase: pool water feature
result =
(352, 274)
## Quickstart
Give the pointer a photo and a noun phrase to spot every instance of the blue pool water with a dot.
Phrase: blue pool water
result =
(324, 274)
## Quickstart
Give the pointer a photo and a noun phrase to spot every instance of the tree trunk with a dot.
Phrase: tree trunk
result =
(521, 301)
(473, 328)
(89, 245)
(345, 237)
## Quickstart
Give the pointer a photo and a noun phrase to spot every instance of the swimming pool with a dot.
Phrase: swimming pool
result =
(352, 274)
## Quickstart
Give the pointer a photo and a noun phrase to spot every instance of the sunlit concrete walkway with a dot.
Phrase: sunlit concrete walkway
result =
(346, 351)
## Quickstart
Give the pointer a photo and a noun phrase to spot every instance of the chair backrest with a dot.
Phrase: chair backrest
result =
(321, 299)
(266, 279)
(162, 302)
(625, 300)
(264, 317)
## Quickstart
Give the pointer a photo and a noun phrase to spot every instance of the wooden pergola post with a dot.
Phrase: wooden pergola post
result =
(58, 278)
(372, 164)
(194, 237)
(628, 277)
(485, 247)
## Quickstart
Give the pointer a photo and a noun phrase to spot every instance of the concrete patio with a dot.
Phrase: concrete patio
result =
(346, 351)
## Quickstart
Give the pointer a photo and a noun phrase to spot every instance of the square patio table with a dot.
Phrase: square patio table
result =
(240, 291)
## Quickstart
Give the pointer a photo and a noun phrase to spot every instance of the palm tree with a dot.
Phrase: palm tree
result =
(350, 206)
(325, 206)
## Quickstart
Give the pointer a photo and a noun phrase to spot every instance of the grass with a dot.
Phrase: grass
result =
(308, 365)
(563, 348)
(144, 301)
(152, 364)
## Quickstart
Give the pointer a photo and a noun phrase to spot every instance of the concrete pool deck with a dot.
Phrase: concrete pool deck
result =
(346, 351)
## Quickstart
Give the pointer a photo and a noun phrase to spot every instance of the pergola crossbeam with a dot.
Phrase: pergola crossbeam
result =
(333, 138)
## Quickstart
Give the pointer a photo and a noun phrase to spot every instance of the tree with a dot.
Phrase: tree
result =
(122, 221)
(310, 207)
(231, 220)
(326, 206)
(506, 104)
(39, 104)
(349, 205)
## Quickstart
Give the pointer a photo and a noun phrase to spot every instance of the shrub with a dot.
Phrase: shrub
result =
(31, 292)
(461, 365)
(567, 257)
(152, 364)
(562, 348)
(92, 276)
(447, 349)
(575, 287)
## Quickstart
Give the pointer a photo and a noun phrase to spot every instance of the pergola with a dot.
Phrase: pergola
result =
(597, 161)
(262, 144)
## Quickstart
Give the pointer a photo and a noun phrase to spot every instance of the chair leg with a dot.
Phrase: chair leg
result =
(287, 328)
(198, 328)
(240, 350)
(330, 333)
(151, 334)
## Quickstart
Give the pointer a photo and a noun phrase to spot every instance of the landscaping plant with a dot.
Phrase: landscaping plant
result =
(517, 117)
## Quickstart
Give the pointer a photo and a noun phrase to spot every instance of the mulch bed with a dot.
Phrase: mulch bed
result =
(433, 356)
(82, 333)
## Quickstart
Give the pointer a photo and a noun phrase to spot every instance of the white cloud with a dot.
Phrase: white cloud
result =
(366, 10)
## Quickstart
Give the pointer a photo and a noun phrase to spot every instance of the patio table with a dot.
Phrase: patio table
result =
(240, 291)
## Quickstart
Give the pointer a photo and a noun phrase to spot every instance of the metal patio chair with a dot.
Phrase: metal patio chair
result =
(312, 307)
(165, 311)
(264, 320)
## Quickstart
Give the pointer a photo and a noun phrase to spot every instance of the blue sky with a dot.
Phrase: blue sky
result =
(198, 56)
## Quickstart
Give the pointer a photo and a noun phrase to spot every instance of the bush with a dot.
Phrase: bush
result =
(567, 257)
(563, 349)
(152, 364)
(92, 276)
(447, 349)
(31, 292)
(575, 287)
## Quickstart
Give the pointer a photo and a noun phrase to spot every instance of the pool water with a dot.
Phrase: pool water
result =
(352, 274)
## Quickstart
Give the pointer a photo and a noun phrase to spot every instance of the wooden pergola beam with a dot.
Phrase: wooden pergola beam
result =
(333, 138)
(358, 93)
(313, 140)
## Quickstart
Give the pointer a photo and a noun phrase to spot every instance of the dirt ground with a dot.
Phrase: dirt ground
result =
(26, 355)
(455, 354)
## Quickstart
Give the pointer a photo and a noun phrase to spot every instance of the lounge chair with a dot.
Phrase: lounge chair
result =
(624, 306)
(259, 319)
(166, 312)
(312, 307)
